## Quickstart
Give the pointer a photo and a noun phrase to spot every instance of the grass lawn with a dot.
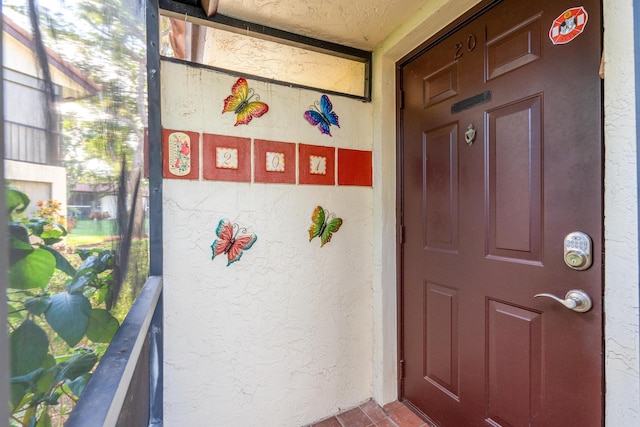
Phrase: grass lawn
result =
(90, 232)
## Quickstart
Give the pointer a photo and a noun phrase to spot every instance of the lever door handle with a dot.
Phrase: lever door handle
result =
(575, 300)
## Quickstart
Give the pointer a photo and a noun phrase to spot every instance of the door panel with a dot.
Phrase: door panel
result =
(484, 222)
(441, 188)
(514, 142)
(441, 359)
(514, 368)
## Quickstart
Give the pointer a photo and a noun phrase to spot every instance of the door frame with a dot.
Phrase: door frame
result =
(454, 26)
(461, 21)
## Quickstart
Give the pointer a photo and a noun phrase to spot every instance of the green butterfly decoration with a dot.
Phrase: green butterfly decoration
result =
(324, 225)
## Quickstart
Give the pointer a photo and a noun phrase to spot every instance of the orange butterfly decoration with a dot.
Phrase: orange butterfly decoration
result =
(239, 102)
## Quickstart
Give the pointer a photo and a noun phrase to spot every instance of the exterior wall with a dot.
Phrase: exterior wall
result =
(25, 122)
(203, 202)
(622, 349)
(20, 58)
(284, 336)
(621, 218)
(40, 182)
(29, 90)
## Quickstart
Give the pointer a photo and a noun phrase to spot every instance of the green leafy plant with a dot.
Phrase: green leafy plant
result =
(58, 317)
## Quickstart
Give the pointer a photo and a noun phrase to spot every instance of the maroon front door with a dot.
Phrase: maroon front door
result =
(501, 159)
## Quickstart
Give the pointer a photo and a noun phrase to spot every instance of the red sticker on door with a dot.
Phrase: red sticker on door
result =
(568, 26)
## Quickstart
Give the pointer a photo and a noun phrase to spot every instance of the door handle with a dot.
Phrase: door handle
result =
(575, 300)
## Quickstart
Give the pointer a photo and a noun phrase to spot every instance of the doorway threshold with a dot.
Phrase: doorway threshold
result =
(370, 414)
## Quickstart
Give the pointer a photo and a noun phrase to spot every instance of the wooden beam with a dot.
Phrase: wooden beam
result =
(210, 7)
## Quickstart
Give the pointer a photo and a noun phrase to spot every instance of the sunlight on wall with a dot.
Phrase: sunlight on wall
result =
(267, 59)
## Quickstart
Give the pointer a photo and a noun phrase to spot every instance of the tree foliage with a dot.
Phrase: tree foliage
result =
(106, 41)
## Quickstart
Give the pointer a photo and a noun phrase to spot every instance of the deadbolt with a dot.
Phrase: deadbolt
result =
(577, 250)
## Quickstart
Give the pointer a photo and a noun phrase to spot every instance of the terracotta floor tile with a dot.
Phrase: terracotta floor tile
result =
(390, 407)
(370, 414)
(329, 422)
(373, 410)
(386, 423)
(404, 417)
(355, 418)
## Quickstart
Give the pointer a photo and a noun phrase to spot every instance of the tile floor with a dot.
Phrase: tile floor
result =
(370, 414)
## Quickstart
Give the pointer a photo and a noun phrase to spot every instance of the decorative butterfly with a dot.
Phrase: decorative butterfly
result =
(324, 117)
(231, 242)
(239, 102)
(324, 225)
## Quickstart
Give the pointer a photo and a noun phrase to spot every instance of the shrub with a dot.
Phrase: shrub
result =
(58, 321)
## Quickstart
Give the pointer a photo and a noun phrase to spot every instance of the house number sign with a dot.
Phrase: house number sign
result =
(317, 165)
(275, 162)
(226, 158)
(469, 46)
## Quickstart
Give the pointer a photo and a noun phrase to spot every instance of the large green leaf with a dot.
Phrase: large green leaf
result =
(107, 260)
(37, 305)
(80, 364)
(102, 326)
(84, 253)
(29, 378)
(77, 285)
(89, 265)
(36, 225)
(19, 232)
(62, 263)
(29, 345)
(52, 236)
(17, 201)
(19, 244)
(45, 382)
(33, 271)
(69, 316)
(96, 262)
(22, 388)
(77, 386)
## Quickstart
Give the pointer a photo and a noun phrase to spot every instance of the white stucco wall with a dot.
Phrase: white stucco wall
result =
(284, 336)
(282, 316)
(621, 226)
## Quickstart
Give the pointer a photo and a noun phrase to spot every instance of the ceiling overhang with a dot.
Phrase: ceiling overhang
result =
(194, 11)
(209, 7)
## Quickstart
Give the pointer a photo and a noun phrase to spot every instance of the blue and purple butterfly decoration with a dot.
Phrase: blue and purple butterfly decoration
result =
(321, 114)
(232, 241)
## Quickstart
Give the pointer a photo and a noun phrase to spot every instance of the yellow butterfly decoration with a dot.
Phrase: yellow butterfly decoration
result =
(239, 102)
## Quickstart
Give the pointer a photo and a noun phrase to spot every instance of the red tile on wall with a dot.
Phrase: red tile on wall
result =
(316, 164)
(274, 162)
(180, 154)
(355, 167)
(226, 158)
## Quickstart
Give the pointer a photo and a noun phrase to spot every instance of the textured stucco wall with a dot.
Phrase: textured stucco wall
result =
(621, 226)
(284, 336)
(205, 295)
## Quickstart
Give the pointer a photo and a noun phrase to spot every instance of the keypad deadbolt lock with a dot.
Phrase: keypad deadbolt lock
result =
(577, 250)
